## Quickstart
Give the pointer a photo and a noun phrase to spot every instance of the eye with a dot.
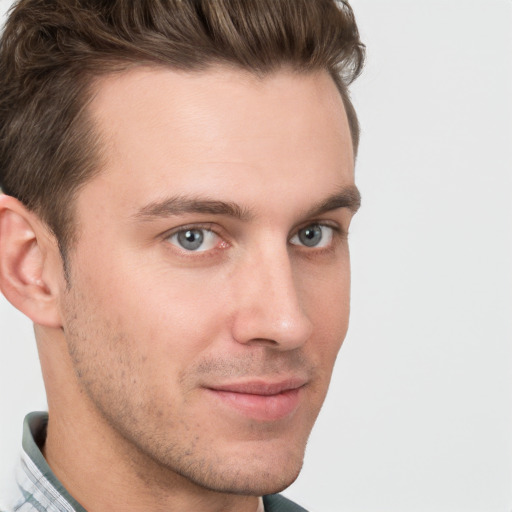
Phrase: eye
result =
(314, 235)
(195, 239)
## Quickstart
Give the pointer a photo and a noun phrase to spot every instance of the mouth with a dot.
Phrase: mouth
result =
(260, 400)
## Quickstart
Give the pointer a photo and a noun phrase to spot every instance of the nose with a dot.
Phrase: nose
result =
(269, 310)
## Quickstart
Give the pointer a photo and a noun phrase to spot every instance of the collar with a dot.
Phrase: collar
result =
(38, 487)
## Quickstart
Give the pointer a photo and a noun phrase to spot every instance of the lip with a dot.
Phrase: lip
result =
(260, 400)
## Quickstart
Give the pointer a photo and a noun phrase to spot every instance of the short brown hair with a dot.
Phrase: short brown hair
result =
(52, 50)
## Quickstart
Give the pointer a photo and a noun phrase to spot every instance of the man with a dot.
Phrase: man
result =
(178, 183)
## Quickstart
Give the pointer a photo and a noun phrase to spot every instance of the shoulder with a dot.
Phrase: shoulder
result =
(278, 503)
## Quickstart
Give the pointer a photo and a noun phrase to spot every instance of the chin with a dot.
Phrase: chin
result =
(256, 481)
(252, 473)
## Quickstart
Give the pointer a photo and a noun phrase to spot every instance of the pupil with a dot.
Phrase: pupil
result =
(191, 236)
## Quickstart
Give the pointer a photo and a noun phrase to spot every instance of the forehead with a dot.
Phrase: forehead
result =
(194, 132)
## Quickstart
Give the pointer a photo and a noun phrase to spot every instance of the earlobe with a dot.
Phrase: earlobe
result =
(24, 248)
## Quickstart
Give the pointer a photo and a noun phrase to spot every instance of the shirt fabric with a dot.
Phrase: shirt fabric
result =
(38, 489)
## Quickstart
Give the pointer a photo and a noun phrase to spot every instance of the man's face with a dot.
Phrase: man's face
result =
(209, 287)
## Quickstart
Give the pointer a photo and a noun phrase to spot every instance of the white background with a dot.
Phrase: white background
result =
(419, 416)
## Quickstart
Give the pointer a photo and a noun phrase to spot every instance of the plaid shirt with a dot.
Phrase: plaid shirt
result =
(38, 489)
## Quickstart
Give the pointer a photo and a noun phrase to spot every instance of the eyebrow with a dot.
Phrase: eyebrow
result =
(347, 197)
(180, 205)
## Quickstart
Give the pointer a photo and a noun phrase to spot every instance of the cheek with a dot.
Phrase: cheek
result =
(167, 318)
(132, 334)
(326, 297)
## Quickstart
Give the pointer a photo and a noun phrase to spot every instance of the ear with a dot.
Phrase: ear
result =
(29, 272)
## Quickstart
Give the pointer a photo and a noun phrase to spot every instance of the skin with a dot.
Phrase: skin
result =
(135, 348)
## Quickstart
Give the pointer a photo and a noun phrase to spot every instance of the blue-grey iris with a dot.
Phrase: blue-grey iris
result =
(311, 235)
(191, 239)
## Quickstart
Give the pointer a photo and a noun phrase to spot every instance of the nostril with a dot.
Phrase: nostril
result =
(263, 342)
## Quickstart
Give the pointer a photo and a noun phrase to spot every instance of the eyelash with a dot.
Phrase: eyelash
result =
(197, 227)
(337, 232)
